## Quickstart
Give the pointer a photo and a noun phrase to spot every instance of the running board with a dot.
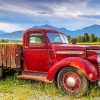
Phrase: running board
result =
(34, 77)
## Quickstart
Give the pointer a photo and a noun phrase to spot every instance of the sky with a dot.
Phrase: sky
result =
(71, 14)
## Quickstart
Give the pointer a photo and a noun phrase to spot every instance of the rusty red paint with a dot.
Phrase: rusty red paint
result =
(33, 77)
(58, 61)
(82, 64)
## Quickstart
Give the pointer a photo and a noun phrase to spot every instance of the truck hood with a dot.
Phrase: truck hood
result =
(69, 50)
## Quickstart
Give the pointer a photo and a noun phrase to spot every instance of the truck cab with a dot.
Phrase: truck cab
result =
(39, 54)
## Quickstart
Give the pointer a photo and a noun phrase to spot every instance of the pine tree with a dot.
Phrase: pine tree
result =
(86, 37)
(92, 38)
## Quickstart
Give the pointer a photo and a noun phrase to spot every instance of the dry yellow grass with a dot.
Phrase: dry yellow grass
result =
(90, 43)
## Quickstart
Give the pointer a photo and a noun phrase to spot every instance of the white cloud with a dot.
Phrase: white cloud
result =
(18, 9)
(65, 9)
(60, 10)
(8, 27)
(74, 9)
(64, 14)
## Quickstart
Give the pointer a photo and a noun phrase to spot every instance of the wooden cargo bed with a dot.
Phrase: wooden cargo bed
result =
(10, 55)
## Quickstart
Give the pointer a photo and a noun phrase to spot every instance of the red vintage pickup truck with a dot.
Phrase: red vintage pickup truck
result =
(47, 56)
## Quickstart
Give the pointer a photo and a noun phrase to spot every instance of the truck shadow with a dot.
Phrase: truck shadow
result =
(8, 74)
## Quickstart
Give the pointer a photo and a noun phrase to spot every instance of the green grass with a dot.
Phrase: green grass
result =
(90, 43)
(11, 43)
(17, 89)
(84, 43)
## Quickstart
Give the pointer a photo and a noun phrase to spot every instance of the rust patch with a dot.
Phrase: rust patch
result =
(33, 77)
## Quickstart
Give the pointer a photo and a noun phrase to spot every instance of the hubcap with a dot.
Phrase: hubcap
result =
(70, 81)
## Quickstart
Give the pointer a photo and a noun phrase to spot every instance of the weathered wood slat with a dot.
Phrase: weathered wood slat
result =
(4, 56)
(0, 55)
(18, 56)
(13, 56)
(10, 56)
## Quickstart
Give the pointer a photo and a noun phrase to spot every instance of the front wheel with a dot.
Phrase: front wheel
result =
(72, 81)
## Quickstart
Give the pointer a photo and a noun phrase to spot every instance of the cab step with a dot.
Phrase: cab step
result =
(34, 77)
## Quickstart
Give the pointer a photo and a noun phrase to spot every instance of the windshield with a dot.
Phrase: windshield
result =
(57, 38)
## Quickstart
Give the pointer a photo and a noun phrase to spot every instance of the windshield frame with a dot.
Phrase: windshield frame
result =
(59, 33)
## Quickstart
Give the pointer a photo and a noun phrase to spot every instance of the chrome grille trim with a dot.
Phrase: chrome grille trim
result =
(98, 59)
(97, 51)
(69, 52)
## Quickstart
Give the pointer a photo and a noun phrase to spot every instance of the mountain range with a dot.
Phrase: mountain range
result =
(17, 35)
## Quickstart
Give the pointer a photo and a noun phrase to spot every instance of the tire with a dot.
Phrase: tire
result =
(72, 81)
(1, 73)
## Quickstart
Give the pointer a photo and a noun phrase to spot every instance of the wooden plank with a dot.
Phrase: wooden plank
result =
(4, 55)
(18, 56)
(0, 55)
(13, 56)
(8, 55)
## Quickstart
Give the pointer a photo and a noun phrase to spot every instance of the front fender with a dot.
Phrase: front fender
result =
(82, 64)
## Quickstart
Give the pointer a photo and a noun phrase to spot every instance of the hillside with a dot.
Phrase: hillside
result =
(17, 35)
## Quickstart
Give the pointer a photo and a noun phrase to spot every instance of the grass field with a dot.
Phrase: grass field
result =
(90, 43)
(12, 88)
(85, 43)
(11, 43)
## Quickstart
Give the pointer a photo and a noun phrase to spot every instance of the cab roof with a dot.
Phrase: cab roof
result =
(42, 29)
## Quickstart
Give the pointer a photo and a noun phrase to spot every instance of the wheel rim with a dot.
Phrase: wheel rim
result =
(71, 81)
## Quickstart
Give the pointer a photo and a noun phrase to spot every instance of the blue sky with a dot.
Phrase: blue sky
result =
(71, 14)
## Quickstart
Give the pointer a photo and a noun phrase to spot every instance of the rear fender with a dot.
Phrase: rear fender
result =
(82, 64)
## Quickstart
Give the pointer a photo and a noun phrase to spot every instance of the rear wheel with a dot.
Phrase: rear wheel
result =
(72, 81)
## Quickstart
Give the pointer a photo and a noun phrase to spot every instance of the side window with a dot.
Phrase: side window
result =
(36, 38)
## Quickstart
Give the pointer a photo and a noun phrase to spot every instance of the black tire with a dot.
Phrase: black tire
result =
(80, 88)
(1, 73)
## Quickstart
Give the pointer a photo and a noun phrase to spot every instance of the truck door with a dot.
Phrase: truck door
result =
(35, 53)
